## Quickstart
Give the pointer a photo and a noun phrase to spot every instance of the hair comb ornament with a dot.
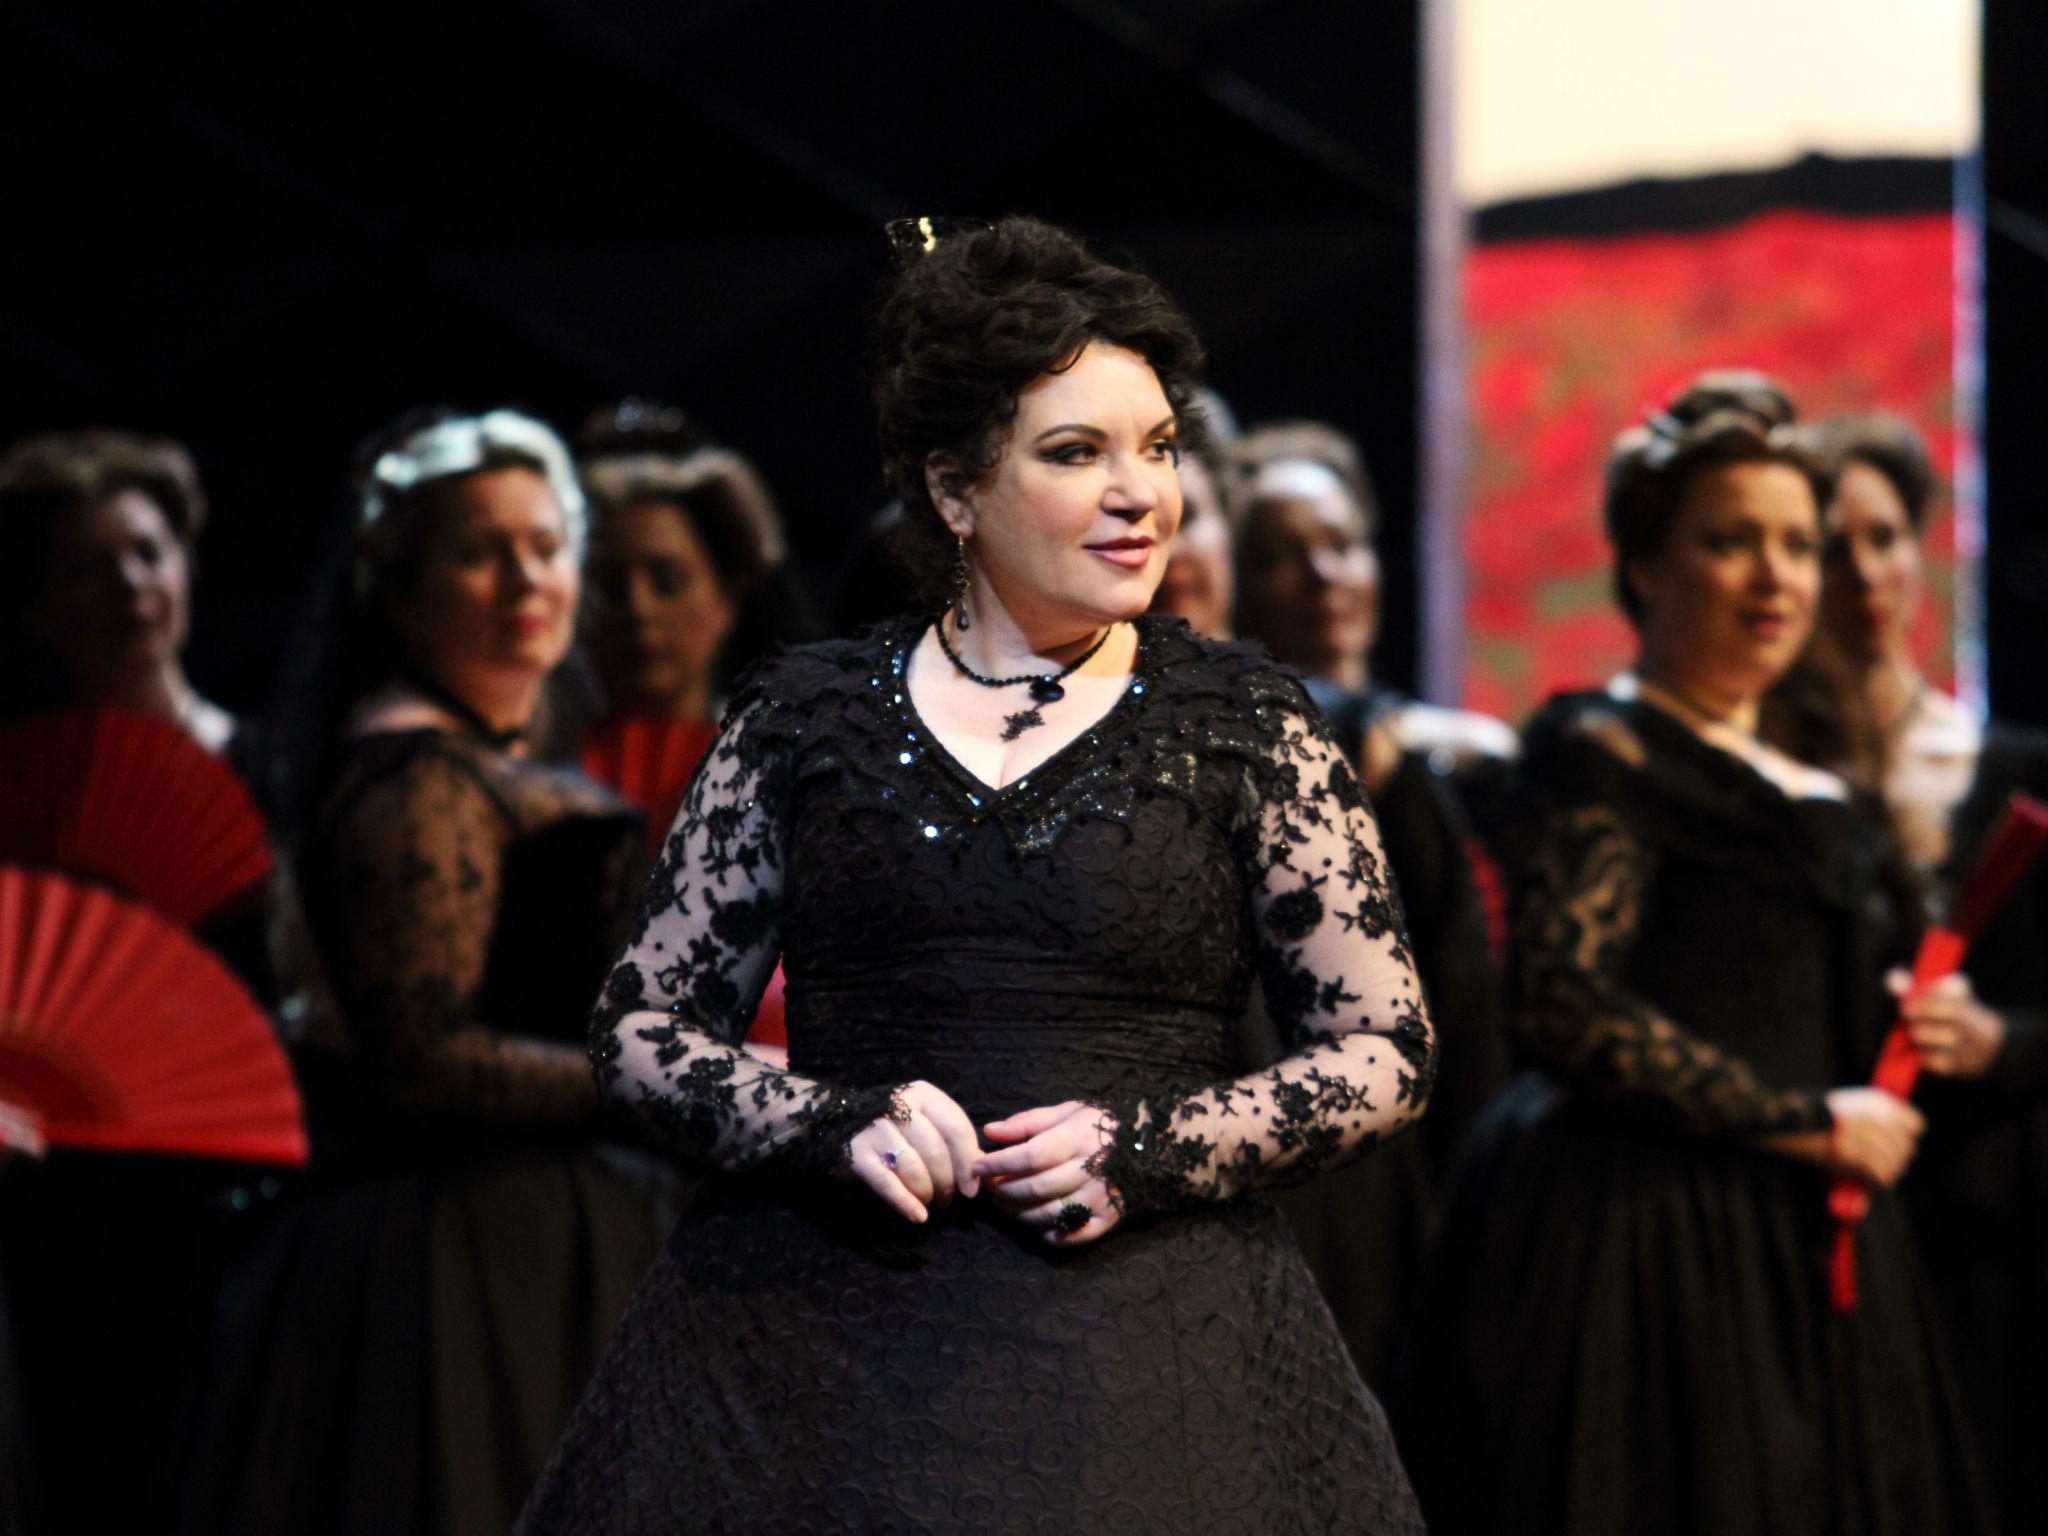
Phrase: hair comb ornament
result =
(1663, 424)
(1669, 432)
(463, 444)
(913, 239)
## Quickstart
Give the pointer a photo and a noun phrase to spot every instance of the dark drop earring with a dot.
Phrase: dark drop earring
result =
(960, 581)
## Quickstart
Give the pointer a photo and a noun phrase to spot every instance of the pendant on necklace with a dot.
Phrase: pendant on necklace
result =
(1046, 690)
(1016, 725)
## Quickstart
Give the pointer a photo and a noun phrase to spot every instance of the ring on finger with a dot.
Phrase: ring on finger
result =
(1071, 1218)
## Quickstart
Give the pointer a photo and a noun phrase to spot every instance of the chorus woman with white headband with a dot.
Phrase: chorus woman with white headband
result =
(992, 1256)
(415, 1330)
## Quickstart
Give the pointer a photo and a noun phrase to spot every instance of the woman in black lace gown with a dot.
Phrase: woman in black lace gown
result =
(406, 1344)
(1631, 1328)
(1024, 913)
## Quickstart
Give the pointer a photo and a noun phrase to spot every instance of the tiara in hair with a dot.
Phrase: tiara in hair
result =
(913, 239)
(1668, 433)
(464, 444)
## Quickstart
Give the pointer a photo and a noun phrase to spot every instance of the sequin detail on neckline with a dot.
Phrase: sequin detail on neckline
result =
(1035, 807)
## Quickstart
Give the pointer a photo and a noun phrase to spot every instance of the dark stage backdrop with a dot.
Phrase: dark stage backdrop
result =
(264, 229)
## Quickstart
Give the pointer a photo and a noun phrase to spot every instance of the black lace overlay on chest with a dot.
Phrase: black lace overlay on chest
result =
(1087, 932)
(450, 887)
(1621, 792)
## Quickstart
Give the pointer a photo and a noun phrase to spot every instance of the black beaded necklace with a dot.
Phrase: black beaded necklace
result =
(1045, 686)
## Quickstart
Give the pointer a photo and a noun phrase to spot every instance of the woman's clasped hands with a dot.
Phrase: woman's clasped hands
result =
(924, 1154)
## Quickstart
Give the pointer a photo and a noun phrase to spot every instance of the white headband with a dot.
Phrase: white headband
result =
(465, 444)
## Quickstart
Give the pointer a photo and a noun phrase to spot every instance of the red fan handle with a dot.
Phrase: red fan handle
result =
(2015, 843)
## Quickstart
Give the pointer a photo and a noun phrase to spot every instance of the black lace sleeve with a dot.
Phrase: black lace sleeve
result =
(1339, 982)
(417, 857)
(1587, 874)
(666, 1033)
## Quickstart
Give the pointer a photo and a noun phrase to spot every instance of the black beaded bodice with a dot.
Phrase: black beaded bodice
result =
(1087, 932)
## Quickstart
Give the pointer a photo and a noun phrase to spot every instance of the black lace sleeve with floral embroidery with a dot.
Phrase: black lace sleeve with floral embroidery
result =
(1588, 872)
(1338, 978)
(666, 1033)
(416, 860)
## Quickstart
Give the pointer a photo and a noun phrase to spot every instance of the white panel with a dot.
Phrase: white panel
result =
(1555, 95)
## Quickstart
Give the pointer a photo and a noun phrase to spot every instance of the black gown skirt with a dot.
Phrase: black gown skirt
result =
(1637, 1336)
(962, 1380)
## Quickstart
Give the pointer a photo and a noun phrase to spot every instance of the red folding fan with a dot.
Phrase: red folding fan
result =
(649, 762)
(121, 1031)
(132, 800)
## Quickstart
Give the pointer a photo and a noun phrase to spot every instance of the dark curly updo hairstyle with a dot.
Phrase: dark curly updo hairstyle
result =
(1889, 446)
(1726, 416)
(969, 323)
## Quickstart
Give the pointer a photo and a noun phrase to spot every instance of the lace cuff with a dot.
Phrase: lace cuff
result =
(823, 1143)
(1146, 1166)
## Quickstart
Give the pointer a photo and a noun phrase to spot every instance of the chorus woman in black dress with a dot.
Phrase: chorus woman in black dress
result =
(992, 1255)
(404, 1345)
(1631, 1329)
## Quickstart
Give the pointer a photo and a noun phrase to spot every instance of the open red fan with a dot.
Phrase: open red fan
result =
(120, 1031)
(649, 762)
(2014, 844)
(132, 800)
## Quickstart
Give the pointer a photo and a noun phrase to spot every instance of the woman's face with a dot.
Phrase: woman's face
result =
(1199, 585)
(1729, 600)
(117, 597)
(1073, 526)
(1309, 581)
(1875, 577)
(658, 610)
(495, 594)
